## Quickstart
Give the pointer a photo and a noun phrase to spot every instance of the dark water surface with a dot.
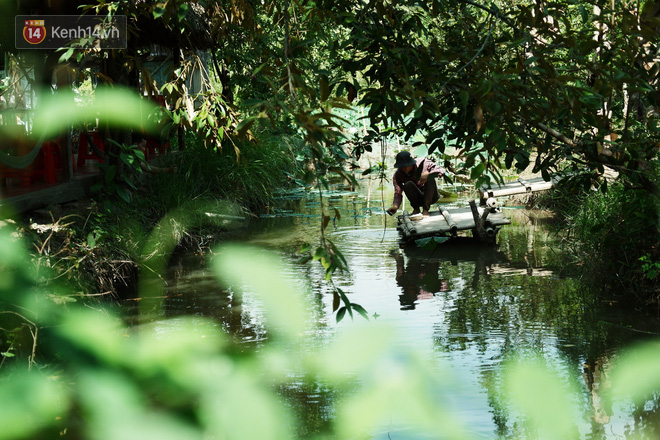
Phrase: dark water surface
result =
(468, 306)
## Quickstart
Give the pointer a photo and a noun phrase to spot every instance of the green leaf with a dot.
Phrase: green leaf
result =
(30, 402)
(127, 158)
(130, 183)
(66, 55)
(325, 88)
(124, 194)
(422, 242)
(465, 97)
(635, 374)
(326, 221)
(245, 124)
(183, 11)
(440, 240)
(107, 397)
(229, 410)
(305, 259)
(477, 171)
(320, 253)
(110, 173)
(542, 396)
(159, 11)
(341, 313)
(358, 308)
(91, 240)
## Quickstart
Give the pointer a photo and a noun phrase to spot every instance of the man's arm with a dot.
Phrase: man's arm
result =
(398, 196)
(430, 170)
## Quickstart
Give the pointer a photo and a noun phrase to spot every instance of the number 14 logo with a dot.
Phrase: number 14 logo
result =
(34, 31)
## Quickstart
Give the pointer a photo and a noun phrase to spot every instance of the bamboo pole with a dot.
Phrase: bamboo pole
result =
(478, 225)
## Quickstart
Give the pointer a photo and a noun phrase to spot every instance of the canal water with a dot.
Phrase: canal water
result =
(467, 306)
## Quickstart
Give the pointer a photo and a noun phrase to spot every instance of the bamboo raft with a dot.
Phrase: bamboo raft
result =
(483, 221)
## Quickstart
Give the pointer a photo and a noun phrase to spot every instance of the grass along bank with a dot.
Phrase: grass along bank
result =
(96, 246)
(612, 235)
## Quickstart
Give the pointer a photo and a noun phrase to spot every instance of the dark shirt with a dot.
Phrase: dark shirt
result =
(400, 178)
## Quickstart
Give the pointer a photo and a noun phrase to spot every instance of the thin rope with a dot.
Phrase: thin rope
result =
(20, 162)
(383, 152)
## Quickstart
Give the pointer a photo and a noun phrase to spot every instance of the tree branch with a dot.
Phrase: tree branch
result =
(557, 135)
(496, 13)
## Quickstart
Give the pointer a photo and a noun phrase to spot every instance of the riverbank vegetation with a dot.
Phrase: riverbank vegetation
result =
(610, 236)
(97, 245)
(614, 237)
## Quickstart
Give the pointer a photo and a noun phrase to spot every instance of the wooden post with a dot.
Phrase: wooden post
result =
(484, 215)
(478, 225)
(67, 157)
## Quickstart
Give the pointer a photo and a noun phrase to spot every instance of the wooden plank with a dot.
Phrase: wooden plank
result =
(50, 194)
(497, 269)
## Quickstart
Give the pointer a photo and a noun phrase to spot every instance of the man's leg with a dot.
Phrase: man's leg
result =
(430, 195)
(414, 195)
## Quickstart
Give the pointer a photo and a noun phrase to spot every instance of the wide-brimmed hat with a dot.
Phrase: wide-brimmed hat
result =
(404, 159)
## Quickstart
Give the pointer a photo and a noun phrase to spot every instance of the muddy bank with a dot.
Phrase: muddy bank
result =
(96, 249)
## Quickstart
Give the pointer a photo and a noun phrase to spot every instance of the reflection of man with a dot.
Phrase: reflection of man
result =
(415, 177)
(418, 280)
(595, 374)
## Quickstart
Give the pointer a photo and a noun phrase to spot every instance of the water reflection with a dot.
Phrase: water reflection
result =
(418, 278)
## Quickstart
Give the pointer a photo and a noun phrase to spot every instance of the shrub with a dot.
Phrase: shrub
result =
(611, 231)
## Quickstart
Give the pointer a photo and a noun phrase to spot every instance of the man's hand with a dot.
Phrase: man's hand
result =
(423, 178)
(392, 210)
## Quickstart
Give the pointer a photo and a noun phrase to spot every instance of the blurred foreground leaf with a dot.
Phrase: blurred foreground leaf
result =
(636, 374)
(251, 269)
(30, 402)
(542, 397)
(115, 106)
(389, 388)
(16, 273)
(400, 391)
(243, 407)
(116, 409)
